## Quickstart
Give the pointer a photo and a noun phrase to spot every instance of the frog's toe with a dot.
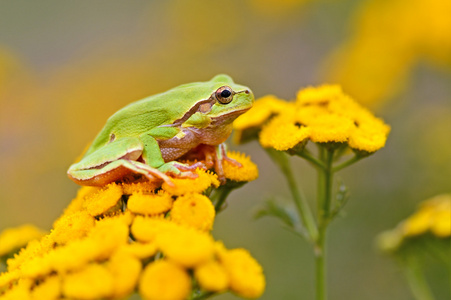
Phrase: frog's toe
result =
(186, 167)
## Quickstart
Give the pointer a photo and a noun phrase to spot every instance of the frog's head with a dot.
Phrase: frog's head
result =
(230, 99)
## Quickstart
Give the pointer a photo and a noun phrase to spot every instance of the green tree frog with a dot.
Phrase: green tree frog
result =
(147, 136)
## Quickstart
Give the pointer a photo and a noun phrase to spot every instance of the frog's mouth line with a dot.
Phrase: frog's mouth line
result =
(230, 114)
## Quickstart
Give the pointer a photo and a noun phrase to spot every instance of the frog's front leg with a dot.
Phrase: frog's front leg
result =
(214, 156)
(112, 162)
(153, 156)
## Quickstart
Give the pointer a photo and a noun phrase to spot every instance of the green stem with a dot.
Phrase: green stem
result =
(325, 181)
(320, 265)
(347, 163)
(301, 203)
(311, 159)
(417, 282)
(220, 196)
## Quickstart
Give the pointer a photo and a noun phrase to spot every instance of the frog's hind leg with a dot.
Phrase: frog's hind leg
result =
(113, 162)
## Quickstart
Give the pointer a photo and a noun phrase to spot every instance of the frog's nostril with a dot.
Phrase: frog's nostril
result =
(247, 91)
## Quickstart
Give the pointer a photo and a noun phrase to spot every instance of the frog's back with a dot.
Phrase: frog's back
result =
(160, 109)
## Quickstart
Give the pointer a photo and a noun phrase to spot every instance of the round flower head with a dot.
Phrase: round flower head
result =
(283, 135)
(212, 276)
(72, 226)
(186, 246)
(15, 238)
(194, 210)
(149, 204)
(92, 282)
(204, 180)
(164, 280)
(146, 229)
(248, 171)
(125, 270)
(246, 275)
(104, 200)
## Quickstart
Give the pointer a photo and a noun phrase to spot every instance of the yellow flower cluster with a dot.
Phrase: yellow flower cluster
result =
(13, 239)
(127, 237)
(389, 38)
(321, 114)
(433, 218)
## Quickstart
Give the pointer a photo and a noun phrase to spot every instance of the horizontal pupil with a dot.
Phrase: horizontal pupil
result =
(225, 93)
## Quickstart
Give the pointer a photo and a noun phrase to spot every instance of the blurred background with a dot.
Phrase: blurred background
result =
(66, 66)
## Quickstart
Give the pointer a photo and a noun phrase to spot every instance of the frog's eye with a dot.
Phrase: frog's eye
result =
(224, 94)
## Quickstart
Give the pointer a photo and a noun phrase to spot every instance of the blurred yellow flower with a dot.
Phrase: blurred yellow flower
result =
(90, 283)
(433, 217)
(146, 229)
(48, 289)
(389, 38)
(149, 204)
(164, 280)
(246, 275)
(186, 246)
(212, 276)
(194, 210)
(12, 239)
(125, 270)
(139, 250)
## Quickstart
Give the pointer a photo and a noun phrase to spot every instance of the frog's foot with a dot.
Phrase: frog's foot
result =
(114, 171)
(182, 170)
(217, 155)
(151, 173)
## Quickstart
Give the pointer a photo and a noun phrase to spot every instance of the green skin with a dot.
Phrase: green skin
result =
(147, 136)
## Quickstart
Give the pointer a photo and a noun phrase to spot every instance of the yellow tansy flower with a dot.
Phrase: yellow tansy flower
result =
(145, 229)
(19, 291)
(247, 126)
(246, 275)
(72, 226)
(194, 210)
(12, 239)
(140, 187)
(49, 289)
(434, 215)
(92, 282)
(186, 246)
(164, 280)
(104, 200)
(139, 250)
(325, 114)
(282, 135)
(248, 171)
(149, 204)
(78, 203)
(182, 186)
(7, 278)
(125, 270)
(33, 249)
(212, 276)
